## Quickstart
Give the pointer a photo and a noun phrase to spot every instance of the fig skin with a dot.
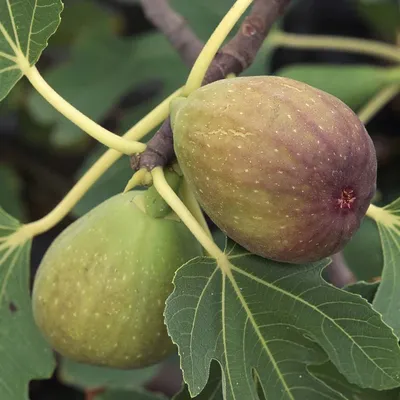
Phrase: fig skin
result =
(284, 169)
(100, 291)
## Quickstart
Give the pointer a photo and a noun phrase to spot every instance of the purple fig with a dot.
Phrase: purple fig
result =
(284, 169)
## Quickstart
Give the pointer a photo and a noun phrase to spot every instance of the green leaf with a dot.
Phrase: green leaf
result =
(212, 391)
(332, 377)
(100, 72)
(10, 199)
(387, 298)
(364, 251)
(353, 84)
(24, 354)
(91, 377)
(276, 319)
(365, 289)
(25, 27)
(129, 395)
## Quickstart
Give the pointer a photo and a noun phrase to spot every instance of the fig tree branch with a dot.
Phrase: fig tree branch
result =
(237, 55)
(240, 52)
(175, 29)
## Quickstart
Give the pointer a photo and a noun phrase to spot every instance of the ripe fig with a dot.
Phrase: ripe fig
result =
(100, 291)
(284, 169)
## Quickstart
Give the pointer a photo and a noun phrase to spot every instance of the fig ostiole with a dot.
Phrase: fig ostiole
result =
(100, 291)
(284, 169)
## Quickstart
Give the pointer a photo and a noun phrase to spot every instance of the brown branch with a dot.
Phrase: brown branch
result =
(174, 27)
(338, 273)
(159, 151)
(237, 55)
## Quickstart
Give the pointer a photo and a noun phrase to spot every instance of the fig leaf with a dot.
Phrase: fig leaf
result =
(213, 389)
(25, 28)
(276, 320)
(387, 298)
(24, 355)
(366, 290)
(332, 377)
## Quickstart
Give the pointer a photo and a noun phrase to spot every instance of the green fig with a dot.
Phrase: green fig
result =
(100, 291)
(284, 169)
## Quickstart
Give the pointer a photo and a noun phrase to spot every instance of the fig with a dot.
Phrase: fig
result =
(100, 290)
(284, 169)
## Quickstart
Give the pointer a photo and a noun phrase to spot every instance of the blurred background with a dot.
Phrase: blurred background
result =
(109, 62)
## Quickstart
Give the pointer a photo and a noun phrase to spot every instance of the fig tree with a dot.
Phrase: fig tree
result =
(284, 169)
(100, 291)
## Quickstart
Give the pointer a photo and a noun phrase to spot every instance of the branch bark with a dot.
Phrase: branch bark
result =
(237, 55)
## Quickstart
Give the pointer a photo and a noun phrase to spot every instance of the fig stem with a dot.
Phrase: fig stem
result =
(393, 74)
(377, 102)
(193, 206)
(144, 126)
(185, 215)
(215, 41)
(93, 129)
(362, 46)
(154, 204)
(139, 178)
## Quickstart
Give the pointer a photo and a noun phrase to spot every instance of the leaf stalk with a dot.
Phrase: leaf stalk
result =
(93, 129)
